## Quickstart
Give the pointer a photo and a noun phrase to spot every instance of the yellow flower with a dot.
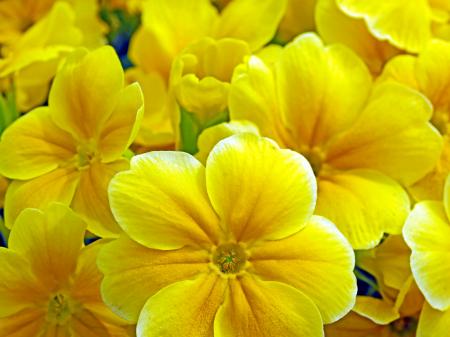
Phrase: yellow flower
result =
(320, 101)
(407, 24)
(201, 74)
(427, 233)
(334, 26)
(170, 26)
(69, 151)
(37, 35)
(234, 251)
(50, 285)
(430, 74)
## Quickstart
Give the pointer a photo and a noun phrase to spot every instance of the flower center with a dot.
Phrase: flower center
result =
(59, 309)
(230, 258)
(315, 157)
(404, 326)
(87, 152)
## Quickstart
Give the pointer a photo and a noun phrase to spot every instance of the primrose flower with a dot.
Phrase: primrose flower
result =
(335, 26)
(408, 25)
(235, 251)
(69, 151)
(429, 73)
(170, 26)
(49, 282)
(320, 101)
(427, 233)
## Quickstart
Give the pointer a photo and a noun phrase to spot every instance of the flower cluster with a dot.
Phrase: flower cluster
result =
(225, 168)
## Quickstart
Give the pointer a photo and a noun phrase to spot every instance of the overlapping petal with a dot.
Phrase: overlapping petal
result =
(389, 135)
(266, 308)
(85, 92)
(259, 191)
(175, 180)
(50, 241)
(91, 197)
(33, 146)
(352, 199)
(185, 309)
(302, 261)
(56, 186)
(133, 273)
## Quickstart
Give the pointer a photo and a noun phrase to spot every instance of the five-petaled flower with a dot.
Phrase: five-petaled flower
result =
(230, 249)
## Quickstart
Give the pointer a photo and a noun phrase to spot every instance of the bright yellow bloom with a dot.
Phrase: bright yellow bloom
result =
(430, 74)
(49, 283)
(334, 26)
(320, 101)
(235, 251)
(170, 26)
(407, 24)
(69, 151)
(201, 74)
(427, 233)
(36, 36)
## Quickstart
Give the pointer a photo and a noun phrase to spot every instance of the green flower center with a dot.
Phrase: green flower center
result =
(230, 258)
(86, 154)
(59, 309)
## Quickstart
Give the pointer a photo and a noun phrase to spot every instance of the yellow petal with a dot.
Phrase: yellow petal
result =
(427, 233)
(58, 185)
(86, 323)
(251, 20)
(334, 84)
(121, 128)
(3, 187)
(354, 325)
(402, 70)
(19, 287)
(334, 26)
(211, 136)
(433, 323)
(379, 311)
(85, 91)
(404, 23)
(363, 204)
(28, 322)
(318, 261)
(91, 197)
(175, 180)
(33, 146)
(253, 98)
(431, 187)
(133, 273)
(183, 309)
(298, 18)
(41, 236)
(156, 129)
(390, 134)
(258, 190)
(262, 309)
